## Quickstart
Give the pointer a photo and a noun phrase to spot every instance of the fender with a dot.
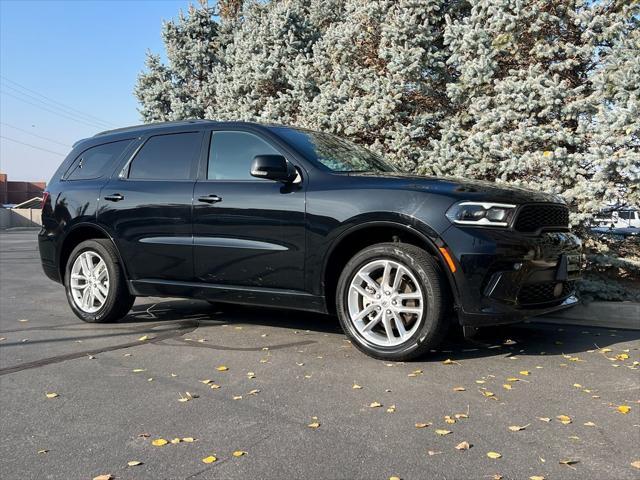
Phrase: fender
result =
(107, 234)
(404, 222)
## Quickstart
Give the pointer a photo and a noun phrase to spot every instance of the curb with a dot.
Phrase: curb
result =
(622, 315)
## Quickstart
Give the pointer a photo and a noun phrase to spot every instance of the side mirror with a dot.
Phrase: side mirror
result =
(273, 167)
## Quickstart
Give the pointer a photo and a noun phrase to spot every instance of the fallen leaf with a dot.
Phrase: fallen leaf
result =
(544, 419)
(496, 476)
(568, 463)
(251, 375)
(209, 459)
(138, 370)
(394, 477)
(517, 428)
(356, 387)
(222, 368)
(525, 372)
(448, 419)
(480, 382)
(622, 356)
(513, 379)
(159, 442)
(624, 409)
(577, 385)
(239, 453)
(144, 435)
(459, 389)
(635, 464)
(422, 425)
(134, 463)
(605, 350)
(507, 386)
(176, 441)
(143, 338)
(494, 455)
(189, 439)
(214, 386)
(237, 397)
(300, 364)
(431, 453)
(536, 477)
(589, 424)
(391, 409)
(448, 361)
(487, 393)
(44, 450)
(441, 431)
(52, 395)
(461, 415)
(206, 382)
(314, 425)
(375, 405)
(255, 391)
(564, 419)
(463, 446)
(105, 476)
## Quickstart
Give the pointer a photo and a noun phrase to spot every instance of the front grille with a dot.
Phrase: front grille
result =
(545, 292)
(532, 218)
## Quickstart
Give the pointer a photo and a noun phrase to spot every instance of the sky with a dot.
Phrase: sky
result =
(67, 71)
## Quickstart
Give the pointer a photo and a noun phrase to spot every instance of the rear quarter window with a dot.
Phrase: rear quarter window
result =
(166, 157)
(93, 162)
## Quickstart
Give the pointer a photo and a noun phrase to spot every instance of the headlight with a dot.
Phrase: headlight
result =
(481, 213)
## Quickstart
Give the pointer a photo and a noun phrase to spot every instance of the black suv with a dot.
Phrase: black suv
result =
(284, 217)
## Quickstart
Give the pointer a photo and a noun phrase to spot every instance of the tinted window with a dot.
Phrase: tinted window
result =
(231, 154)
(332, 152)
(625, 215)
(93, 162)
(166, 157)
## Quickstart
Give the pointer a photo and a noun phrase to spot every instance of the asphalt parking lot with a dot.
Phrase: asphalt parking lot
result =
(119, 387)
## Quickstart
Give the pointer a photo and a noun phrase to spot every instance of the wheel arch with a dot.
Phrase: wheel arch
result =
(369, 233)
(78, 234)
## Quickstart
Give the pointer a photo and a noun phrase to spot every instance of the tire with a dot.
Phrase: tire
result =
(423, 331)
(117, 302)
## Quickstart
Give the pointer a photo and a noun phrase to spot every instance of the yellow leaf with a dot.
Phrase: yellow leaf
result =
(255, 391)
(143, 338)
(480, 382)
(544, 419)
(517, 428)
(536, 477)
(568, 462)
(375, 405)
(622, 356)
(449, 420)
(422, 425)
(138, 370)
(159, 442)
(214, 386)
(459, 389)
(589, 424)
(577, 385)
(431, 453)
(209, 459)
(239, 453)
(605, 350)
(624, 409)
(461, 415)
(314, 425)
(507, 386)
(175, 441)
(513, 379)
(106, 476)
(391, 409)
(134, 463)
(189, 439)
(394, 477)
(448, 361)
(525, 372)
(463, 446)
(440, 431)
(635, 464)
(494, 455)
(251, 375)
(237, 397)
(547, 153)
(356, 387)
(51, 395)
(222, 368)
(206, 382)
(564, 419)
(44, 450)
(487, 393)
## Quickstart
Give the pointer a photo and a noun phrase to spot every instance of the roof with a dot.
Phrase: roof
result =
(152, 126)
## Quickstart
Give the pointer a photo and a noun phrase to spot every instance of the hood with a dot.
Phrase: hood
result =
(464, 189)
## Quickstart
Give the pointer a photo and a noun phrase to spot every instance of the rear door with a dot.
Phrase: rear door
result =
(147, 207)
(247, 231)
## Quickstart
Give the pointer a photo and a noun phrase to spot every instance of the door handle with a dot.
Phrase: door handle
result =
(210, 199)
(116, 197)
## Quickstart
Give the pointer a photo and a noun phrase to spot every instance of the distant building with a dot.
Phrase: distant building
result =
(12, 193)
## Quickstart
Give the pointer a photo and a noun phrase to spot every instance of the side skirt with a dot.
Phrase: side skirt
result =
(265, 297)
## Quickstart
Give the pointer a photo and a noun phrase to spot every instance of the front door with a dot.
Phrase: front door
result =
(147, 207)
(247, 231)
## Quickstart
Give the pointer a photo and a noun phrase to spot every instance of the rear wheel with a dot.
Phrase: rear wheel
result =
(392, 301)
(95, 284)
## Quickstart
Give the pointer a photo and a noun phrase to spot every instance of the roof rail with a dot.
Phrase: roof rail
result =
(146, 126)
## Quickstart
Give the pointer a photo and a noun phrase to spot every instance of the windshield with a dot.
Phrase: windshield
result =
(332, 152)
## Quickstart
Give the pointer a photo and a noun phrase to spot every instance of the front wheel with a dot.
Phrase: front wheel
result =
(392, 301)
(95, 283)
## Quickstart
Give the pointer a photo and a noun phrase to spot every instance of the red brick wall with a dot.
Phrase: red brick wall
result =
(3, 188)
(18, 192)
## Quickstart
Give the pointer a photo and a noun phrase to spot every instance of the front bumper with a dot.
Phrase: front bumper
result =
(504, 276)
